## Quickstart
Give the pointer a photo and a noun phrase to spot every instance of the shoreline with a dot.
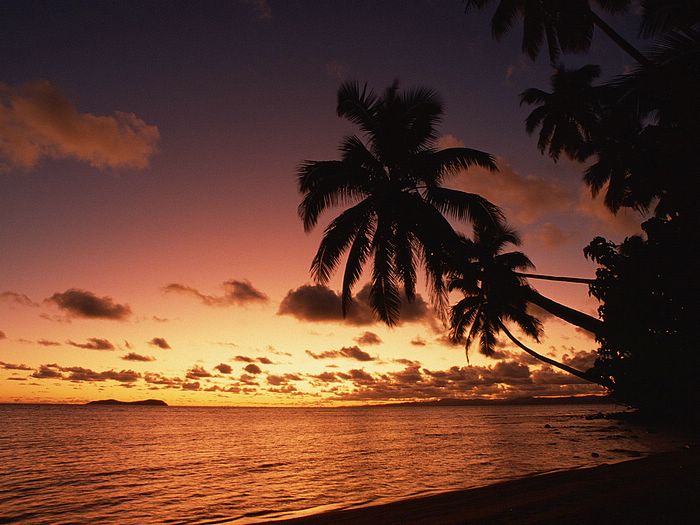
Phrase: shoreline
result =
(660, 488)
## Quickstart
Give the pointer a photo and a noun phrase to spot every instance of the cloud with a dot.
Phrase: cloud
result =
(2, 335)
(224, 368)
(253, 369)
(261, 8)
(337, 70)
(46, 372)
(159, 379)
(197, 372)
(18, 298)
(191, 386)
(133, 356)
(317, 303)
(550, 235)
(448, 141)
(80, 374)
(160, 343)
(93, 343)
(283, 379)
(10, 366)
(81, 303)
(37, 121)
(46, 342)
(527, 198)
(418, 341)
(236, 292)
(351, 352)
(368, 338)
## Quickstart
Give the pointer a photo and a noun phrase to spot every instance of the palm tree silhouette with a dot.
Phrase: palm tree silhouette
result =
(495, 293)
(566, 25)
(568, 115)
(393, 181)
(660, 16)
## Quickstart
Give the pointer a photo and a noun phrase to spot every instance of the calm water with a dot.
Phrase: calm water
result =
(76, 464)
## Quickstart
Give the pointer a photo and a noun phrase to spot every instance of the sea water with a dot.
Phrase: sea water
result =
(141, 464)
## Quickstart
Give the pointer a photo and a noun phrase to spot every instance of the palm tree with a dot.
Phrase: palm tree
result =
(494, 294)
(392, 180)
(568, 115)
(566, 25)
(660, 16)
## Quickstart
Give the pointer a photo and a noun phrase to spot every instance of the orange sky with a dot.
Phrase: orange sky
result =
(171, 162)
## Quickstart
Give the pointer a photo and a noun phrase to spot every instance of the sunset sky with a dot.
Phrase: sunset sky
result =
(149, 240)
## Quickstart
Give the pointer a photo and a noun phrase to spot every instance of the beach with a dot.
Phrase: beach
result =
(662, 488)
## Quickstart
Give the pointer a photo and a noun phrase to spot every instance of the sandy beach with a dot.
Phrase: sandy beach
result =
(663, 488)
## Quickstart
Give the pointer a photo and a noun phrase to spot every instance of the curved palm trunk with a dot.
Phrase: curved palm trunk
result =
(585, 321)
(577, 280)
(617, 38)
(583, 375)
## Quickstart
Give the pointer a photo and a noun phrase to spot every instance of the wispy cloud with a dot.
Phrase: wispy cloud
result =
(235, 293)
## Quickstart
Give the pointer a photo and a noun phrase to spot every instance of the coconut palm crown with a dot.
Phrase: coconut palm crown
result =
(398, 211)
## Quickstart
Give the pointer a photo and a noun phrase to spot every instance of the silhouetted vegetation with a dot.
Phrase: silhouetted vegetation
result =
(393, 179)
(637, 135)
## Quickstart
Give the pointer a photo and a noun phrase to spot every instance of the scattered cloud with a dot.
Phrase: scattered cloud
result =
(197, 372)
(85, 304)
(224, 368)
(17, 298)
(238, 293)
(191, 386)
(350, 352)
(37, 121)
(46, 342)
(80, 374)
(160, 343)
(418, 341)
(317, 303)
(253, 369)
(2, 335)
(368, 338)
(93, 343)
(133, 356)
(47, 372)
(10, 366)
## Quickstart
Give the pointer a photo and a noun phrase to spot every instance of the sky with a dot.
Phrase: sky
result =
(149, 240)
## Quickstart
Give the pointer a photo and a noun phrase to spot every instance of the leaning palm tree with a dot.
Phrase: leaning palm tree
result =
(566, 25)
(661, 16)
(393, 181)
(496, 293)
(568, 115)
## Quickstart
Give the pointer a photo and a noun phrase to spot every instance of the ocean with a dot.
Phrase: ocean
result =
(141, 465)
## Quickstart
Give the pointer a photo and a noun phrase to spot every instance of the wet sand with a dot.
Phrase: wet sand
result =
(663, 488)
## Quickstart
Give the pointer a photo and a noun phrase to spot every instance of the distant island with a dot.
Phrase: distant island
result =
(146, 402)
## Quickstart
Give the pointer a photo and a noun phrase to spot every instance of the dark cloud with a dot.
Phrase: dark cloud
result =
(2, 335)
(191, 386)
(243, 359)
(133, 356)
(81, 303)
(580, 360)
(93, 343)
(16, 297)
(160, 343)
(10, 366)
(264, 361)
(326, 377)
(46, 342)
(368, 338)
(224, 368)
(351, 352)
(283, 379)
(159, 379)
(407, 362)
(317, 303)
(80, 374)
(160, 319)
(253, 369)
(418, 341)
(235, 293)
(47, 372)
(37, 121)
(197, 372)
